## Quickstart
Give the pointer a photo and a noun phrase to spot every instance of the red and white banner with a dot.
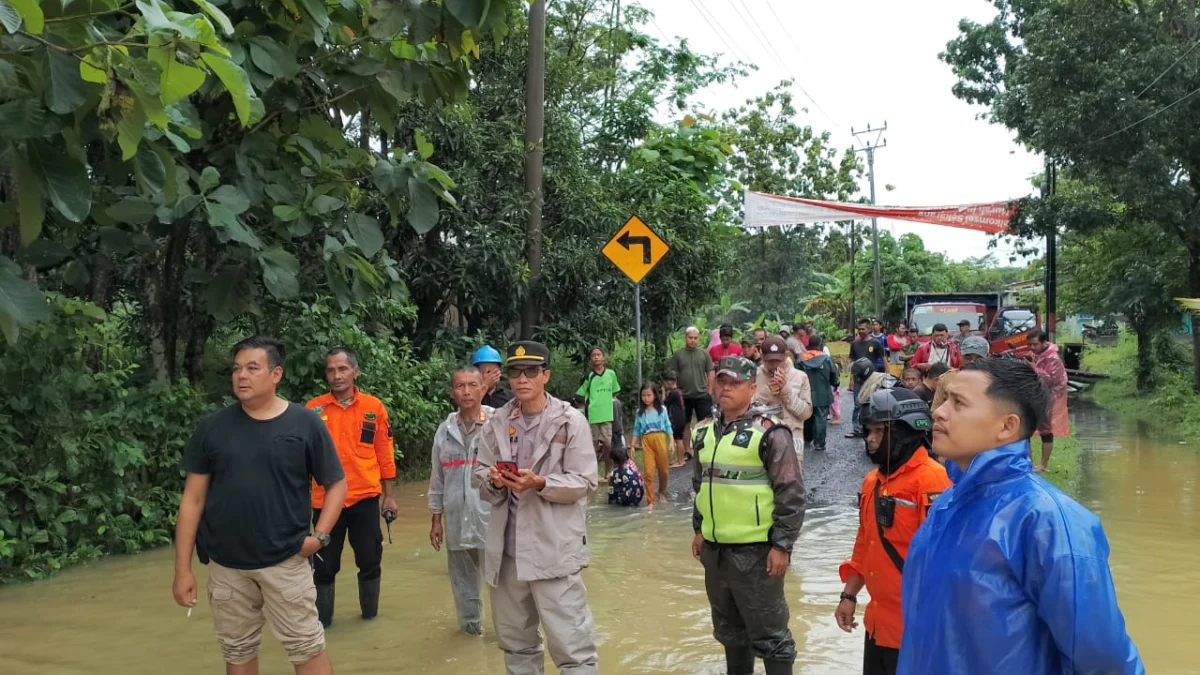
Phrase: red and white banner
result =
(763, 210)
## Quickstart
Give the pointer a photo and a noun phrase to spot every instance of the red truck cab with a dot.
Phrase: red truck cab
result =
(1007, 329)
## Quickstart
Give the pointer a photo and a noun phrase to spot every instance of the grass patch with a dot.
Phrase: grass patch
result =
(1064, 463)
(1170, 411)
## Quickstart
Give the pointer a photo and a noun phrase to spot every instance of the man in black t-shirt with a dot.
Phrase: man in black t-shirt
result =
(246, 508)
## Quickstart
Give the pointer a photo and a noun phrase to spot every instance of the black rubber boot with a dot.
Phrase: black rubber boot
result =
(778, 667)
(368, 598)
(739, 660)
(325, 604)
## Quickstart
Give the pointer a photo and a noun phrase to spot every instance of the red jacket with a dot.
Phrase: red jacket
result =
(922, 355)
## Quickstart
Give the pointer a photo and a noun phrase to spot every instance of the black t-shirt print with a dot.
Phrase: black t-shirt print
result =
(259, 502)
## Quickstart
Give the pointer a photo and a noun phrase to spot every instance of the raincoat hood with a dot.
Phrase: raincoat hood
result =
(814, 357)
(1010, 575)
(997, 464)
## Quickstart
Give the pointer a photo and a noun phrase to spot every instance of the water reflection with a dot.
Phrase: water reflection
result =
(646, 591)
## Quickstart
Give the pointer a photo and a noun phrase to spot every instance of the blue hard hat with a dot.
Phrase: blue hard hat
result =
(486, 354)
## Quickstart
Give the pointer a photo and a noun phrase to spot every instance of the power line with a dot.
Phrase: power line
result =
(713, 24)
(778, 59)
(1152, 115)
(779, 21)
(1169, 69)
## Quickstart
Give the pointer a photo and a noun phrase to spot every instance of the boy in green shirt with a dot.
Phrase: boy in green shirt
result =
(598, 390)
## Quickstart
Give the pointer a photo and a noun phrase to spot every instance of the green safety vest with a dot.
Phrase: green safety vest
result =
(735, 498)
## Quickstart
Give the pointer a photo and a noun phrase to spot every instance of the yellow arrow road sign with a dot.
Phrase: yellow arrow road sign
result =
(635, 249)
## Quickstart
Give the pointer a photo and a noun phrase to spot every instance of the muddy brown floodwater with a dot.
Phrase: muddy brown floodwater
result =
(646, 591)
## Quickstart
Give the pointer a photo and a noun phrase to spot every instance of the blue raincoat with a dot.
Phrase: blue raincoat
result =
(1009, 575)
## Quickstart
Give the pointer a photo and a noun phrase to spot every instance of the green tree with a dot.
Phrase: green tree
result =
(1106, 90)
(197, 161)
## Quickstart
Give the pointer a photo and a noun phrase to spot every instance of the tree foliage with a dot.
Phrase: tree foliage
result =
(1105, 90)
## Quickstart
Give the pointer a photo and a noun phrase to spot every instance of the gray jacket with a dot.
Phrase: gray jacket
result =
(552, 533)
(451, 493)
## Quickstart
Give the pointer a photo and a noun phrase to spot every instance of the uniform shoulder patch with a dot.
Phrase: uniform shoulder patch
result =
(369, 416)
(319, 409)
(698, 437)
(742, 439)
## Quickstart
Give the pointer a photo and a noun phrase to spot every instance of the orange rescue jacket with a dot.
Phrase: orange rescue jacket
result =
(914, 488)
(363, 439)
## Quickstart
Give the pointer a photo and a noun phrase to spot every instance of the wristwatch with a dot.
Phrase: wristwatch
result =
(851, 598)
(324, 539)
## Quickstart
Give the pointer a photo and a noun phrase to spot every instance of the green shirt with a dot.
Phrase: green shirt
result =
(693, 366)
(599, 390)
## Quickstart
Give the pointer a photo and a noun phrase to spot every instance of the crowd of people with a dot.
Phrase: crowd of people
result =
(273, 489)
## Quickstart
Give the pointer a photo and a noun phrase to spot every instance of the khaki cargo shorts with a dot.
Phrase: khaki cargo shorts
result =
(242, 600)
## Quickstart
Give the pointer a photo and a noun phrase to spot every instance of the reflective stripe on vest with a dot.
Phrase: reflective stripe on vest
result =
(735, 501)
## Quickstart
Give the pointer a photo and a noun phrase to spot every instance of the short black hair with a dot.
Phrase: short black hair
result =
(940, 327)
(276, 352)
(670, 375)
(937, 370)
(864, 322)
(815, 343)
(1041, 335)
(1016, 383)
(350, 355)
(726, 331)
(619, 456)
(764, 330)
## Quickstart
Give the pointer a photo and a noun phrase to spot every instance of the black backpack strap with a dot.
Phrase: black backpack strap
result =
(888, 548)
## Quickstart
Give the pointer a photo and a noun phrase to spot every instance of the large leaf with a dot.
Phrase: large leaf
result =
(387, 177)
(280, 270)
(210, 178)
(31, 12)
(22, 118)
(66, 181)
(422, 206)
(231, 198)
(66, 92)
(21, 303)
(179, 81)
(217, 15)
(131, 210)
(424, 147)
(324, 204)
(223, 219)
(317, 11)
(469, 13)
(236, 83)
(29, 198)
(273, 58)
(9, 17)
(286, 212)
(366, 232)
(130, 130)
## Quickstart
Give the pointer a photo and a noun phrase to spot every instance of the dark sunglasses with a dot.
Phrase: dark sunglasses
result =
(528, 371)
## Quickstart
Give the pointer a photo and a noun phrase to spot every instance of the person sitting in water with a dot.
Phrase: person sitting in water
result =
(625, 485)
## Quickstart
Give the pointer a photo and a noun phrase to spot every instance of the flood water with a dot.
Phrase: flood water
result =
(646, 591)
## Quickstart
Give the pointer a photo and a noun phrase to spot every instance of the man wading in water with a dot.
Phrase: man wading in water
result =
(245, 506)
(748, 513)
(537, 469)
(459, 517)
(358, 423)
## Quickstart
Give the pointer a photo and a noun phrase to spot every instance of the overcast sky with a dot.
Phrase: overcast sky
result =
(870, 61)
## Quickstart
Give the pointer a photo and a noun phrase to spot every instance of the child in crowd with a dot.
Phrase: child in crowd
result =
(625, 487)
(910, 379)
(673, 400)
(652, 429)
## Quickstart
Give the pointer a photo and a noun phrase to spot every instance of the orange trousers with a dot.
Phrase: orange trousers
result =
(654, 459)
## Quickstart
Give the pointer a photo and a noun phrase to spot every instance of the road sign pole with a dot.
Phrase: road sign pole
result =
(637, 327)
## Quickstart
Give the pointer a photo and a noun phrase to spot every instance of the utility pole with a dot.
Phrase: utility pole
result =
(1049, 187)
(535, 117)
(870, 147)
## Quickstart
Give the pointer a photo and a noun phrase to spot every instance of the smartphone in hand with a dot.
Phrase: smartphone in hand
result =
(510, 467)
